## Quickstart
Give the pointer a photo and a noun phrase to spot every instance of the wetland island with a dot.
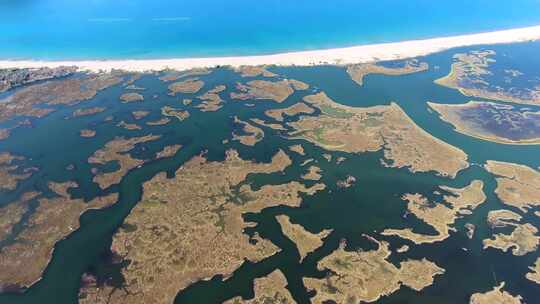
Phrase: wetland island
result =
(399, 173)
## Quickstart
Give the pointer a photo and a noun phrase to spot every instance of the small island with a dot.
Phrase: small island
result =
(254, 71)
(168, 151)
(277, 91)
(295, 109)
(534, 275)
(140, 114)
(306, 241)
(172, 75)
(115, 151)
(9, 178)
(440, 216)
(159, 122)
(359, 71)
(269, 289)
(87, 111)
(471, 74)
(387, 127)
(181, 115)
(273, 126)
(298, 149)
(211, 101)
(522, 240)
(517, 185)
(128, 126)
(500, 123)
(131, 97)
(366, 276)
(497, 295)
(87, 133)
(252, 134)
(313, 173)
(38, 100)
(502, 218)
(188, 86)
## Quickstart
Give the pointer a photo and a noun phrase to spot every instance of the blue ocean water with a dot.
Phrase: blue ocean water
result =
(98, 29)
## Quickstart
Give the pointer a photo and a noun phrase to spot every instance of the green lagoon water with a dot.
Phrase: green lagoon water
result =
(374, 203)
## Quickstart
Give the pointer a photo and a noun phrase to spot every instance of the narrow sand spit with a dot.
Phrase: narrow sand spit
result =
(348, 55)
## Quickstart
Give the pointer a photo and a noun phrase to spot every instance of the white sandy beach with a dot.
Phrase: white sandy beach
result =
(348, 55)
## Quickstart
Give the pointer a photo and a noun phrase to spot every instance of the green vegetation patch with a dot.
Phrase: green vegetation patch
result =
(335, 112)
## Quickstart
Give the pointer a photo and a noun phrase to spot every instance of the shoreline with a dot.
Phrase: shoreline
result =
(336, 56)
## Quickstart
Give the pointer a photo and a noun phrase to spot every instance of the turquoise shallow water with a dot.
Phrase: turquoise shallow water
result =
(76, 29)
